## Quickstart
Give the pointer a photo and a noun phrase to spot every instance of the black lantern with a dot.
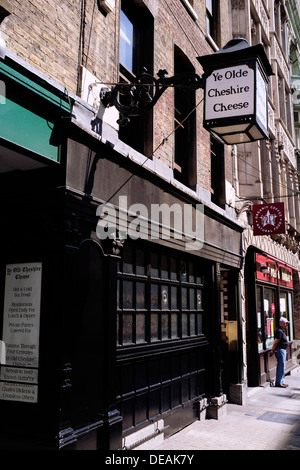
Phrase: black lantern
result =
(236, 92)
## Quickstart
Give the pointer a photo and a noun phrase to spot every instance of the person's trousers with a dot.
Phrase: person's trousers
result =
(280, 371)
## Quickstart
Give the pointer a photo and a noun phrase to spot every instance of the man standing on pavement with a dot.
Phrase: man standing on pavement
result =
(279, 348)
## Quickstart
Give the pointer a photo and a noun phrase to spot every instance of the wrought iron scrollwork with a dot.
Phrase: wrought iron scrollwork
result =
(135, 99)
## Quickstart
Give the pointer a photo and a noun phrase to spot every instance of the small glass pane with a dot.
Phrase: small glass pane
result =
(126, 42)
(127, 294)
(192, 324)
(140, 328)
(140, 295)
(154, 326)
(209, 6)
(184, 324)
(164, 326)
(268, 305)
(174, 325)
(154, 296)
(118, 330)
(259, 309)
(164, 298)
(283, 306)
(184, 297)
(127, 329)
(192, 299)
(118, 293)
(290, 331)
(174, 297)
(199, 299)
(199, 324)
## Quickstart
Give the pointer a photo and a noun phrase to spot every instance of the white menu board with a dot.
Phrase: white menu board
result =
(21, 328)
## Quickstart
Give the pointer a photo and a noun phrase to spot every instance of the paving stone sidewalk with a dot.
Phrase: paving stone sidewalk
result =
(270, 420)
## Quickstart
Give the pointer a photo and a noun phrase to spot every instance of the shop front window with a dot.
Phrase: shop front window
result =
(260, 338)
(159, 297)
(286, 311)
(266, 308)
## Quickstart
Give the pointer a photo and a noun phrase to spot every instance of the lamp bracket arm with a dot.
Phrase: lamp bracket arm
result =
(138, 97)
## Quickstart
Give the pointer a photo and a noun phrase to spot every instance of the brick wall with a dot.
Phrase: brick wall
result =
(46, 35)
(57, 38)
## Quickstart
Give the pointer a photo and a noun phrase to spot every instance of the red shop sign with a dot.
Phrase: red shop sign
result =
(268, 219)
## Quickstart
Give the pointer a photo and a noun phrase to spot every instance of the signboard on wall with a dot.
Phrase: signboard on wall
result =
(268, 219)
(21, 327)
(229, 92)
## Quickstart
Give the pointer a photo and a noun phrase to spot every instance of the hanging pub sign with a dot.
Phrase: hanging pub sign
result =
(236, 92)
(268, 219)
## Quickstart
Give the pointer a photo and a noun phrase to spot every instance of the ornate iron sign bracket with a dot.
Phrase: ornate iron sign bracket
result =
(135, 99)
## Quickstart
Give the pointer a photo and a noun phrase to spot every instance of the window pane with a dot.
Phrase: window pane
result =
(269, 299)
(184, 324)
(140, 295)
(192, 299)
(140, 328)
(284, 310)
(259, 325)
(154, 296)
(164, 326)
(127, 294)
(154, 326)
(199, 299)
(209, 6)
(164, 298)
(127, 328)
(184, 297)
(118, 330)
(118, 293)
(126, 42)
(174, 325)
(283, 305)
(174, 297)
(290, 331)
(199, 324)
(192, 324)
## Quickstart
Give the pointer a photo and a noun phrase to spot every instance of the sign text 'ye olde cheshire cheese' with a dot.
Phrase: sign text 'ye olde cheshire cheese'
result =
(230, 92)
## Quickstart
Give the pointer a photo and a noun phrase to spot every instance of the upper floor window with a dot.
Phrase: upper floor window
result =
(281, 19)
(185, 135)
(127, 41)
(136, 55)
(212, 19)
